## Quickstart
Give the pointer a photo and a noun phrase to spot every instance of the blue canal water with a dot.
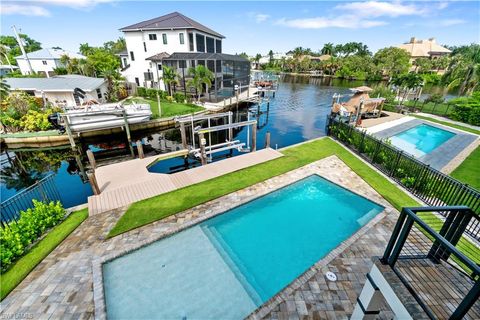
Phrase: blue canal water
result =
(421, 139)
(225, 267)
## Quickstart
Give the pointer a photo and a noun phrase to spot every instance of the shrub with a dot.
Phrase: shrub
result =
(36, 121)
(467, 109)
(179, 97)
(16, 239)
(383, 92)
(141, 91)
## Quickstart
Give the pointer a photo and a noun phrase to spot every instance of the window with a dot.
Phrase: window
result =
(164, 37)
(219, 66)
(182, 39)
(137, 81)
(218, 46)
(159, 66)
(152, 36)
(99, 93)
(132, 56)
(211, 65)
(200, 42)
(190, 42)
(44, 62)
(192, 63)
(145, 47)
(210, 45)
(182, 64)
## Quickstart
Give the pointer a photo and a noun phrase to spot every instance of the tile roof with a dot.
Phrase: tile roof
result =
(50, 53)
(54, 84)
(158, 56)
(423, 48)
(174, 20)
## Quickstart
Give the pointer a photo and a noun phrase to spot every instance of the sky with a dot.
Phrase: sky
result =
(251, 26)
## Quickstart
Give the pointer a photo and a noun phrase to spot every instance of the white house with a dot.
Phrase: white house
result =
(44, 61)
(6, 69)
(60, 90)
(179, 42)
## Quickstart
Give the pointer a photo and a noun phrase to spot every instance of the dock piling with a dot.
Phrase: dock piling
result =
(69, 132)
(93, 183)
(183, 135)
(127, 130)
(140, 149)
(267, 140)
(203, 155)
(91, 159)
(254, 137)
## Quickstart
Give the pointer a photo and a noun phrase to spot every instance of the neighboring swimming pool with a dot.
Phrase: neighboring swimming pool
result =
(421, 139)
(227, 266)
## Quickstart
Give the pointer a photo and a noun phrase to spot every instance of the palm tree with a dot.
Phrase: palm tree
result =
(4, 89)
(464, 70)
(200, 76)
(328, 48)
(170, 78)
(67, 62)
(270, 56)
(258, 56)
(110, 76)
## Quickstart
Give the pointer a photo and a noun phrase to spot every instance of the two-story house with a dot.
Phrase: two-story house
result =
(177, 41)
(44, 61)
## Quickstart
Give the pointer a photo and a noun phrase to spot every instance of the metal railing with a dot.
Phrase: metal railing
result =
(428, 184)
(439, 268)
(42, 190)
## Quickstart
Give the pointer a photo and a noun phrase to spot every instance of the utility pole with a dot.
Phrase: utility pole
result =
(20, 43)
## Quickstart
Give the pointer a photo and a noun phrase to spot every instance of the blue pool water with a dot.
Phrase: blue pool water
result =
(421, 139)
(225, 267)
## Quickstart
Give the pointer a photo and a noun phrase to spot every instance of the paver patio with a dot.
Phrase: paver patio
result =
(61, 286)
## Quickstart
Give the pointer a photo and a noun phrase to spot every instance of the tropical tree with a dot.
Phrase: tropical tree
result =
(392, 61)
(170, 78)
(270, 56)
(200, 76)
(328, 48)
(111, 76)
(14, 50)
(408, 82)
(86, 49)
(257, 58)
(423, 65)
(4, 89)
(464, 70)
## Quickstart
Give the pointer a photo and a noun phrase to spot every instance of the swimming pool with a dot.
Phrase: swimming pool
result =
(227, 266)
(421, 139)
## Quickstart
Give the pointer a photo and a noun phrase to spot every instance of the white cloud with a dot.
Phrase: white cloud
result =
(23, 9)
(260, 17)
(343, 21)
(442, 5)
(451, 22)
(378, 8)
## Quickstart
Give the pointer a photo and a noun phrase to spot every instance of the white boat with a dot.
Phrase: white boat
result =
(104, 116)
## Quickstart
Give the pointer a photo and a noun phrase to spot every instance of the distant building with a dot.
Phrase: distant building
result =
(177, 41)
(60, 90)
(424, 48)
(44, 61)
(6, 69)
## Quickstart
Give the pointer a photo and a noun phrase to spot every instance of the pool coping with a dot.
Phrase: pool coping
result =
(268, 186)
(446, 153)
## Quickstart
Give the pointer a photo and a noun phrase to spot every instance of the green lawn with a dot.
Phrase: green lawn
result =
(18, 271)
(159, 207)
(469, 170)
(169, 109)
(448, 124)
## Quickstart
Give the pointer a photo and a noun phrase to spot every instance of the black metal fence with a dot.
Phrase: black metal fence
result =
(439, 267)
(42, 190)
(428, 184)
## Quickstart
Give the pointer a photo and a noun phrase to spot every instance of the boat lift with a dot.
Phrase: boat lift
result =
(203, 150)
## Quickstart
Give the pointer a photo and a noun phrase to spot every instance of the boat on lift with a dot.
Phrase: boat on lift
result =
(102, 116)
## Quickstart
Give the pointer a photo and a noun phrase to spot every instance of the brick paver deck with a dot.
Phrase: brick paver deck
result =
(61, 286)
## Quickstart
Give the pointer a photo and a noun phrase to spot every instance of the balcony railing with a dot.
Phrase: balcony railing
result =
(439, 265)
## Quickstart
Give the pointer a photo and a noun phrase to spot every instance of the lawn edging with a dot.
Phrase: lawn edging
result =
(23, 266)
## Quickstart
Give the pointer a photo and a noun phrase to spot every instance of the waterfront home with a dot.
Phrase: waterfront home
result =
(423, 49)
(61, 90)
(179, 42)
(45, 61)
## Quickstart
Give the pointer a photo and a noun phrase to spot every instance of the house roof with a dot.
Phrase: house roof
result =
(423, 48)
(159, 56)
(204, 56)
(50, 53)
(174, 20)
(65, 83)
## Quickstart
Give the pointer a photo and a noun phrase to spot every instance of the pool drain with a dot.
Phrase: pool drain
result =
(331, 276)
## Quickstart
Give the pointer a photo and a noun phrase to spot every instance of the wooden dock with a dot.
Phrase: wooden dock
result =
(124, 183)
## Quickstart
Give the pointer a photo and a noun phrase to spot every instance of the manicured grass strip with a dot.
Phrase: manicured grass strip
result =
(169, 109)
(164, 205)
(26, 134)
(10, 279)
(469, 170)
(448, 124)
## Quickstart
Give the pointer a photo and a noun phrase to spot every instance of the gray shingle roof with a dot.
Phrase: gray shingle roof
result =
(50, 53)
(59, 83)
(174, 20)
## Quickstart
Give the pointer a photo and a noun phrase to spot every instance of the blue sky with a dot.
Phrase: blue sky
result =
(252, 26)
